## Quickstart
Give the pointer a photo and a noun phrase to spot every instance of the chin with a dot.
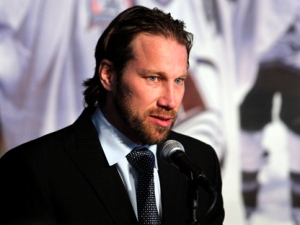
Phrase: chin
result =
(159, 138)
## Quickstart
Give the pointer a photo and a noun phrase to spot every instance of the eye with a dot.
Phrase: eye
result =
(153, 78)
(179, 80)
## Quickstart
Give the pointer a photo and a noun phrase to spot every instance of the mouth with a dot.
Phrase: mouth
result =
(161, 121)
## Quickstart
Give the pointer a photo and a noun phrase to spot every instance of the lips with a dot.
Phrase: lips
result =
(162, 121)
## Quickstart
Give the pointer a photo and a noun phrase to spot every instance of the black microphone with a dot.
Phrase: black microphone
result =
(173, 152)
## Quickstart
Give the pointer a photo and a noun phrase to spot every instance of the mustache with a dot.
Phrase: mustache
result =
(163, 112)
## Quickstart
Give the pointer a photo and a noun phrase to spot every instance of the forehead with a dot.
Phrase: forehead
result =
(158, 47)
(151, 40)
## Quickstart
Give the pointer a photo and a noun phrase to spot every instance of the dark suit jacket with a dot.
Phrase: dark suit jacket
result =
(64, 178)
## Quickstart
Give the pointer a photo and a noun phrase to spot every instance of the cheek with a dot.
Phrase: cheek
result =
(179, 95)
(135, 99)
(144, 100)
(145, 95)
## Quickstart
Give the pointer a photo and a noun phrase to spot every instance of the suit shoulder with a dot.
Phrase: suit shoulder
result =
(39, 147)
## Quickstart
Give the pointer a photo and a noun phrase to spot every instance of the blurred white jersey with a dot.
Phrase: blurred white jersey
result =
(258, 25)
(46, 51)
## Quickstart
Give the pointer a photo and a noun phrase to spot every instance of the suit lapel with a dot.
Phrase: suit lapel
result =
(89, 157)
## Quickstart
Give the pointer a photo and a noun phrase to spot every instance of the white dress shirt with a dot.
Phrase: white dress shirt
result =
(116, 146)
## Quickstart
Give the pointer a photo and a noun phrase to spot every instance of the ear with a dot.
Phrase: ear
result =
(107, 74)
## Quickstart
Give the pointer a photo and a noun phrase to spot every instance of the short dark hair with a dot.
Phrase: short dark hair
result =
(115, 43)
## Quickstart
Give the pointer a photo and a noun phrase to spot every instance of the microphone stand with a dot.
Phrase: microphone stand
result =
(193, 203)
(194, 183)
(196, 178)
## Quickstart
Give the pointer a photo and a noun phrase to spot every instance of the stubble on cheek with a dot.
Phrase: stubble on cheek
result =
(137, 124)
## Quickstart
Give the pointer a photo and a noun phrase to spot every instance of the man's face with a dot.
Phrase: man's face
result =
(151, 89)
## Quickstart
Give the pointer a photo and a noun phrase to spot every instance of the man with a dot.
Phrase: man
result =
(80, 174)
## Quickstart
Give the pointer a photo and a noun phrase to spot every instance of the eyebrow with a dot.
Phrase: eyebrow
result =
(155, 72)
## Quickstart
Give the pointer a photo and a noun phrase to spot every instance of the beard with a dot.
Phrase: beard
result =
(135, 123)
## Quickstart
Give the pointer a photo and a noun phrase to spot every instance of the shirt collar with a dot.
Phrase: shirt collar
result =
(114, 143)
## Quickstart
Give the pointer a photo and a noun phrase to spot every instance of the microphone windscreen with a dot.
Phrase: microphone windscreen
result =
(168, 148)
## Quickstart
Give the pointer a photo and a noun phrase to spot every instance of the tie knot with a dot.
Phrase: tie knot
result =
(142, 160)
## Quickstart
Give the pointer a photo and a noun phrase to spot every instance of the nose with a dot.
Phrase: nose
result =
(167, 99)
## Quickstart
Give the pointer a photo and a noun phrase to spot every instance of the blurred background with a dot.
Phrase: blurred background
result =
(242, 95)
